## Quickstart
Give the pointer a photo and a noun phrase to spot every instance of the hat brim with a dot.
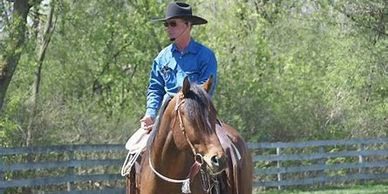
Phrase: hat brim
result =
(195, 20)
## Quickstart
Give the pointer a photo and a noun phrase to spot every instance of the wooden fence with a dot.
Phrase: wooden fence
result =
(62, 169)
(95, 168)
(318, 163)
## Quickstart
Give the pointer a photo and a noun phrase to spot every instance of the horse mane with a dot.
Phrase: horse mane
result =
(198, 106)
(162, 109)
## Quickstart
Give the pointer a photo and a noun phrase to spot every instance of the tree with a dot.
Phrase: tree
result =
(288, 70)
(14, 45)
(41, 53)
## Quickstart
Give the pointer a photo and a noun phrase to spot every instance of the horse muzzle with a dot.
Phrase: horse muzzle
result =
(216, 164)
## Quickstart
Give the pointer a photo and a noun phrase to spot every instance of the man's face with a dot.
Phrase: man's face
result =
(176, 28)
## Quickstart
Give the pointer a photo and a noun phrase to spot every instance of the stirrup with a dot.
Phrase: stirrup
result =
(129, 162)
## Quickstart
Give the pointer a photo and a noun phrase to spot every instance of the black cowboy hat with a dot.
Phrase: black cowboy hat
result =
(181, 10)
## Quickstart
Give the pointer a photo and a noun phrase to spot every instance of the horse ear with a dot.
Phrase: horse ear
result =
(208, 84)
(186, 86)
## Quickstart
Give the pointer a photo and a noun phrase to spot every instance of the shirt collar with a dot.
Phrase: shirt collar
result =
(192, 48)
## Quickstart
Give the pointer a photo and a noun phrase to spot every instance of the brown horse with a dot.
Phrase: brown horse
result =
(189, 151)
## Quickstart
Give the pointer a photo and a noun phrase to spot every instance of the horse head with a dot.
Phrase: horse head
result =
(195, 126)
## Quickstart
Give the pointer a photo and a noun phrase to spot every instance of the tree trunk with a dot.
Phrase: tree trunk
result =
(15, 43)
(46, 37)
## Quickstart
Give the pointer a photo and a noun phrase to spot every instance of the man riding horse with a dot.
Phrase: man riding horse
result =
(184, 57)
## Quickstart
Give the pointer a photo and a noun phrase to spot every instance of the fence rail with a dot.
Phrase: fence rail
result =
(70, 167)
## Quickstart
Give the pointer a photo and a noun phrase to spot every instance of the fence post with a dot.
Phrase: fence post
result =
(2, 178)
(279, 165)
(70, 170)
(322, 163)
(361, 159)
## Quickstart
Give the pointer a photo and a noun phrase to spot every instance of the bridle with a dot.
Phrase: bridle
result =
(198, 160)
(178, 103)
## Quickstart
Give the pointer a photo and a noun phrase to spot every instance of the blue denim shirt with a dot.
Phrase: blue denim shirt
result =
(171, 66)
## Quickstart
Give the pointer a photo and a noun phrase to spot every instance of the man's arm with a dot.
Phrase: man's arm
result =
(155, 91)
(209, 68)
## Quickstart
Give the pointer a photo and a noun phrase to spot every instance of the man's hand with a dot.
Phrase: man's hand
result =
(146, 123)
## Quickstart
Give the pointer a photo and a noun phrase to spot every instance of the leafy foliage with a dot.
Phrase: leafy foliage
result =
(288, 70)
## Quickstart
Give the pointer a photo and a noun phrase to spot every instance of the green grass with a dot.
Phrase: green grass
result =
(358, 189)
